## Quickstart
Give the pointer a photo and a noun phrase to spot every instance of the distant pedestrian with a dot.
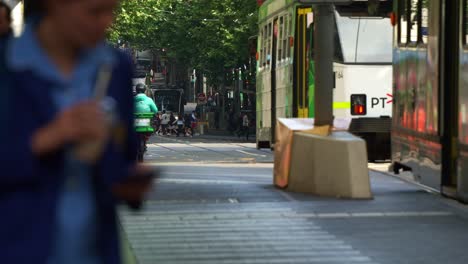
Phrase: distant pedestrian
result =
(188, 125)
(193, 122)
(157, 124)
(245, 127)
(180, 124)
(172, 124)
(165, 122)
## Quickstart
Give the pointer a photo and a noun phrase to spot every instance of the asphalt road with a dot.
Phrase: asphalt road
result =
(215, 203)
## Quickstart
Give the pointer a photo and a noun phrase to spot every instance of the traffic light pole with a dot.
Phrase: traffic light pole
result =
(324, 49)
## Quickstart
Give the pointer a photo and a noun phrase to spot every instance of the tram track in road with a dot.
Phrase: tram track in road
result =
(186, 153)
(222, 151)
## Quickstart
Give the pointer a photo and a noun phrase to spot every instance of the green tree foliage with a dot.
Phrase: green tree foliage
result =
(209, 35)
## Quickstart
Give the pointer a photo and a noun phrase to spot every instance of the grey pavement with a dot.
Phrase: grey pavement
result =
(208, 210)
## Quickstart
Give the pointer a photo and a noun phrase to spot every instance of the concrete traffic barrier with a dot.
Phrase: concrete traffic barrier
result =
(333, 166)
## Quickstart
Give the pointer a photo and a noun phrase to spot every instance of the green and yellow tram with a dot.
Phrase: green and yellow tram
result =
(285, 65)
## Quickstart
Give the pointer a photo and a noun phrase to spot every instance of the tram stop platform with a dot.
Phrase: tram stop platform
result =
(209, 214)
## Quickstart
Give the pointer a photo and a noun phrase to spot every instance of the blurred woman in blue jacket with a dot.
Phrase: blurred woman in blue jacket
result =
(57, 206)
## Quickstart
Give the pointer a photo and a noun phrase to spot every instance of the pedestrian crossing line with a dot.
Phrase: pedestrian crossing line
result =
(270, 215)
(187, 229)
(249, 209)
(234, 222)
(244, 246)
(232, 216)
(225, 238)
(235, 245)
(240, 237)
(265, 254)
(235, 237)
(373, 214)
(262, 260)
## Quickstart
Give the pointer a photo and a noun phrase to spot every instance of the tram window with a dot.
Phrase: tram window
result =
(403, 25)
(414, 21)
(290, 30)
(285, 37)
(264, 45)
(363, 40)
(424, 22)
(261, 47)
(280, 37)
(465, 21)
(338, 52)
(268, 55)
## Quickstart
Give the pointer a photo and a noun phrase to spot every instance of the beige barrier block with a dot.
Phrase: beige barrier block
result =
(333, 166)
(285, 129)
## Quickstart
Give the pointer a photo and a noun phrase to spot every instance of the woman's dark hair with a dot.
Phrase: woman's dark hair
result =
(8, 10)
(33, 7)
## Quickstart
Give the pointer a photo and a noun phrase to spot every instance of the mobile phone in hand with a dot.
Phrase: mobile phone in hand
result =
(143, 177)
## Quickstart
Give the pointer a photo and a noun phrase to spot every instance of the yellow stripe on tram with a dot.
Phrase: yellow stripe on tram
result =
(304, 11)
(341, 105)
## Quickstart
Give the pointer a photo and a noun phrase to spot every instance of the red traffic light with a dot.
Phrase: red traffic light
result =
(358, 104)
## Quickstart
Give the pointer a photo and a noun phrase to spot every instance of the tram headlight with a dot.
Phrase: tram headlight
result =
(358, 104)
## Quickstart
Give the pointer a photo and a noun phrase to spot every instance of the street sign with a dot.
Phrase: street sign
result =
(201, 98)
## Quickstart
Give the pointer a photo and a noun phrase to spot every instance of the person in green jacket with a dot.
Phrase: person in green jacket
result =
(144, 104)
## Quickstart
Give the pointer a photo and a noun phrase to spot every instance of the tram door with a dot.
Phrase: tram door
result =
(450, 97)
(302, 49)
(462, 176)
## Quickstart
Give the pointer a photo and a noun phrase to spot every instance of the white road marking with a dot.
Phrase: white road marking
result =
(212, 164)
(286, 195)
(199, 181)
(266, 175)
(370, 214)
(252, 154)
(238, 236)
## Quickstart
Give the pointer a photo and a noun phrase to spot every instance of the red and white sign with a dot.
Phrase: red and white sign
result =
(201, 97)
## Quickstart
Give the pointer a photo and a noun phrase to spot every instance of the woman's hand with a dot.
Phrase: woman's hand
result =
(134, 189)
(79, 123)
